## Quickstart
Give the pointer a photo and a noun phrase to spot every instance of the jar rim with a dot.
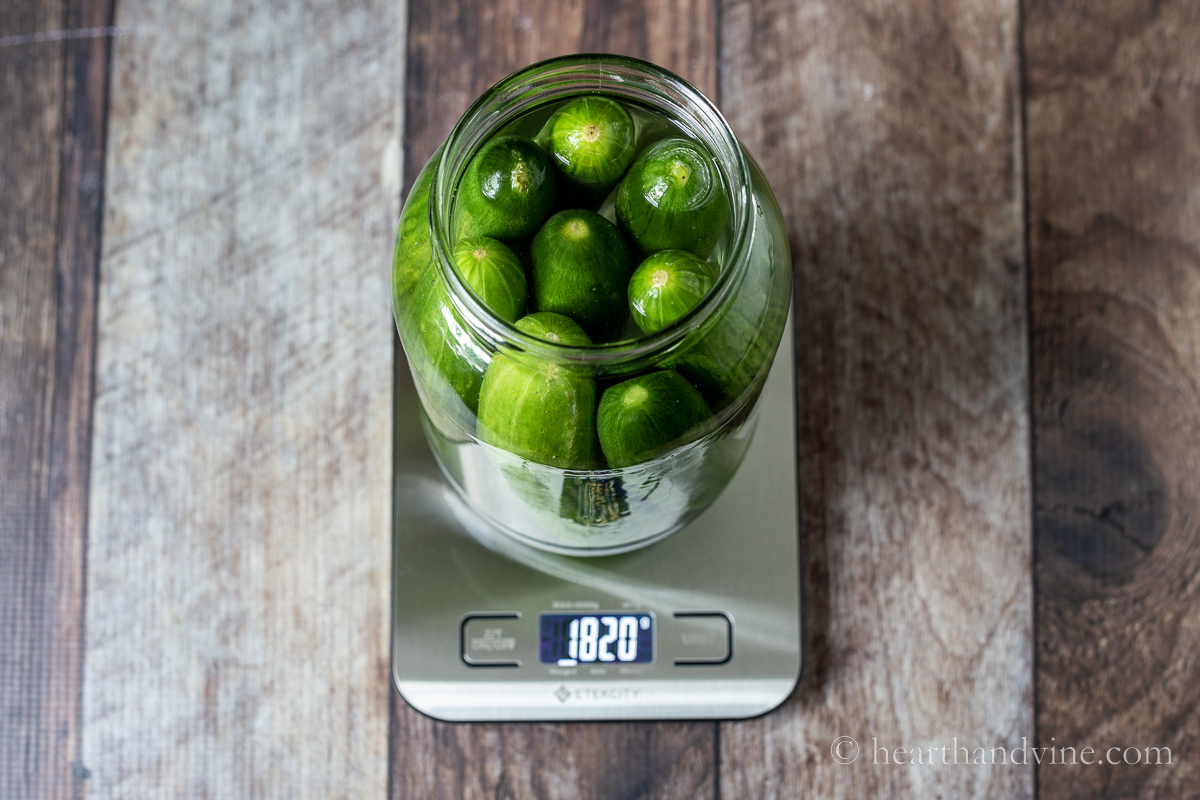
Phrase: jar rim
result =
(570, 76)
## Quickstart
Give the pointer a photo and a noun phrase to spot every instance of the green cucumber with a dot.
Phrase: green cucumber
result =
(446, 351)
(551, 327)
(644, 417)
(581, 268)
(672, 198)
(727, 360)
(494, 273)
(440, 351)
(413, 252)
(666, 286)
(738, 345)
(507, 191)
(590, 140)
(536, 409)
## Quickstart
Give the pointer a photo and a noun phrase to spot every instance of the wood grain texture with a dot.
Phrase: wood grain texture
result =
(237, 573)
(891, 134)
(1114, 197)
(614, 761)
(31, 94)
(53, 113)
(457, 50)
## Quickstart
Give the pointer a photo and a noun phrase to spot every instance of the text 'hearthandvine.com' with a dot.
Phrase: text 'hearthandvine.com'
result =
(846, 750)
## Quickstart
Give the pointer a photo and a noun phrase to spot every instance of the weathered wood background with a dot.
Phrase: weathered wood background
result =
(994, 212)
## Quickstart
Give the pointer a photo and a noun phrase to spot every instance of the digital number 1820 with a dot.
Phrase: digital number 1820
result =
(593, 638)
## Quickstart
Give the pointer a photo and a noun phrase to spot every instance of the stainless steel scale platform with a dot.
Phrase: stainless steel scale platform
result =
(715, 608)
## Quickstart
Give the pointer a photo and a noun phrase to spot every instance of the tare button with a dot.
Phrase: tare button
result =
(702, 638)
(490, 640)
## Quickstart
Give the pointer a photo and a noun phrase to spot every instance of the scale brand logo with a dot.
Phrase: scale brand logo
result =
(597, 695)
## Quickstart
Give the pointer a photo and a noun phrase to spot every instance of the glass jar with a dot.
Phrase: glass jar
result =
(724, 345)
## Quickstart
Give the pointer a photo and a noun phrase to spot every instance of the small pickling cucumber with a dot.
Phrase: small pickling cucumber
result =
(672, 198)
(580, 268)
(644, 417)
(446, 352)
(495, 274)
(551, 327)
(666, 286)
(590, 140)
(413, 253)
(507, 191)
(538, 409)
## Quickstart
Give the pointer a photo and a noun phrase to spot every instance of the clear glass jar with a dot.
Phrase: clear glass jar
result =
(724, 345)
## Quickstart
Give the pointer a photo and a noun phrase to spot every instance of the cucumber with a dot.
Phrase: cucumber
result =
(507, 191)
(494, 273)
(644, 417)
(739, 345)
(446, 352)
(537, 409)
(440, 351)
(672, 198)
(590, 140)
(413, 253)
(581, 268)
(666, 286)
(551, 327)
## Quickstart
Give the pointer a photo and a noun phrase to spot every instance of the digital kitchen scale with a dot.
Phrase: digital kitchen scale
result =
(704, 624)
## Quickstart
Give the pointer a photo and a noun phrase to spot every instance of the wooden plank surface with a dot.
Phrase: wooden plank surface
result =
(52, 108)
(456, 51)
(238, 567)
(31, 94)
(891, 134)
(1114, 192)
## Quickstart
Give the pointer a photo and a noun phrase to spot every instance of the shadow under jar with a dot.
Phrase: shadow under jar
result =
(572, 499)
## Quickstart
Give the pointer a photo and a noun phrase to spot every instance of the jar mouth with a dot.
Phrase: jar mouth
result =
(558, 79)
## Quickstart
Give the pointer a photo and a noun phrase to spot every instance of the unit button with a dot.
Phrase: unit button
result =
(702, 638)
(490, 640)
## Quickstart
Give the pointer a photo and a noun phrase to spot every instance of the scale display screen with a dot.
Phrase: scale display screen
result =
(597, 638)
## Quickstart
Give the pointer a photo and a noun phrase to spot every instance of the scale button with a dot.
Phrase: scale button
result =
(702, 638)
(490, 640)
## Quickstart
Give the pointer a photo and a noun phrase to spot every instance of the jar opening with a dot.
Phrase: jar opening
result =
(620, 77)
